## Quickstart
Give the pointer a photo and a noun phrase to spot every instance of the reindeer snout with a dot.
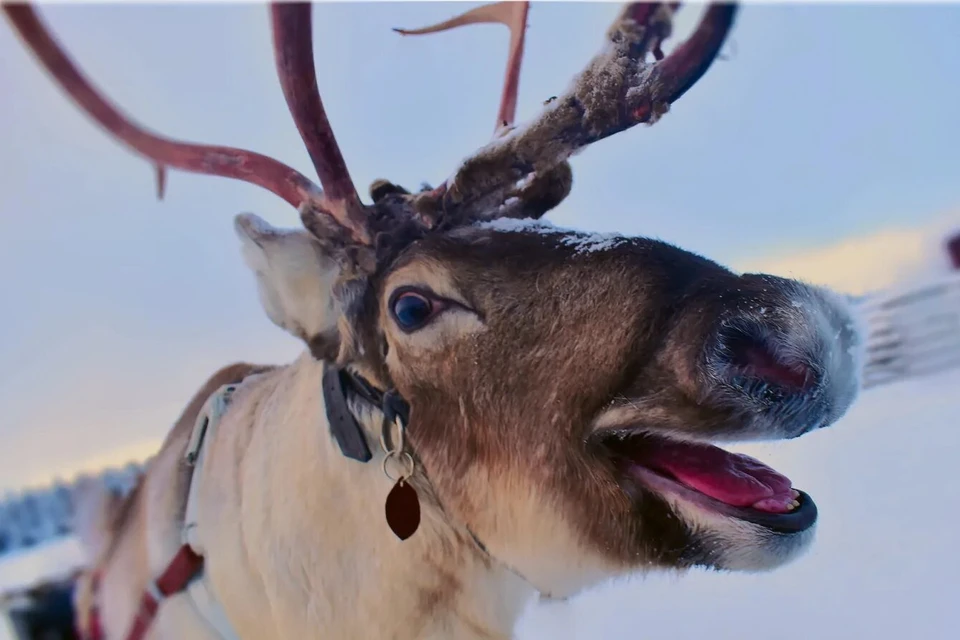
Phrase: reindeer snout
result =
(789, 351)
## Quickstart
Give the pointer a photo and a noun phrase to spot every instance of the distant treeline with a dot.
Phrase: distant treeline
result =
(34, 516)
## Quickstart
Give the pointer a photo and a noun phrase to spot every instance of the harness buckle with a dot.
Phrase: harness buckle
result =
(153, 590)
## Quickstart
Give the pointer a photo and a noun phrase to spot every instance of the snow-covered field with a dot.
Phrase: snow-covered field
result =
(21, 568)
(885, 564)
(53, 558)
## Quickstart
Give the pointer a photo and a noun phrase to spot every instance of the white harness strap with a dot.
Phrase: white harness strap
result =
(199, 590)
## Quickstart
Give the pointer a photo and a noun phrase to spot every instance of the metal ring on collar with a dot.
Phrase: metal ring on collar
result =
(406, 456)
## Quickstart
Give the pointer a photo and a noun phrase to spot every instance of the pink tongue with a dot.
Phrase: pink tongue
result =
(732, 478)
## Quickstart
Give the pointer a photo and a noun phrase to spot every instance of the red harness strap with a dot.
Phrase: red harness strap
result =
(184, 566)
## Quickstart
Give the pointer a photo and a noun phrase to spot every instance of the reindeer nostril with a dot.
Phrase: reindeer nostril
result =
(752, 359)
(762, 364)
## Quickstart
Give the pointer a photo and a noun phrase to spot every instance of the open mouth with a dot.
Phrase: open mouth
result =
(732, 484)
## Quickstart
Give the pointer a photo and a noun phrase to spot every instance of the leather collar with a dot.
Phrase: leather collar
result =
(337, 384)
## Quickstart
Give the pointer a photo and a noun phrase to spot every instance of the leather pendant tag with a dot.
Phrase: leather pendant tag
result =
(403, 509)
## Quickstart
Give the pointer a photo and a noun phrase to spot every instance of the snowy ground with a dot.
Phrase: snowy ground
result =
(50, 559)
(54, 558)
(884, 565)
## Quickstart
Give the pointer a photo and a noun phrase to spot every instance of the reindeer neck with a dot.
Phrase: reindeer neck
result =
(314, 542)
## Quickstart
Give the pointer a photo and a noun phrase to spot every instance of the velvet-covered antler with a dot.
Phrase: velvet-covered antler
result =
(543, 191)
(617, 90)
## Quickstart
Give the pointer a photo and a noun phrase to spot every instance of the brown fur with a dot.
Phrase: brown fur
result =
(522, 419)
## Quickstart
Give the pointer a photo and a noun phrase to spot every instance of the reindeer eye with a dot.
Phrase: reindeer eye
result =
(412, 310)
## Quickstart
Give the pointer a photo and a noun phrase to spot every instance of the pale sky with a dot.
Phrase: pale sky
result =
(825, 147)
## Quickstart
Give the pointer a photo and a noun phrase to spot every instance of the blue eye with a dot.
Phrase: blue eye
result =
(412, 310)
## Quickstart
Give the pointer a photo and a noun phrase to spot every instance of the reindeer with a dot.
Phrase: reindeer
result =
(487, 407)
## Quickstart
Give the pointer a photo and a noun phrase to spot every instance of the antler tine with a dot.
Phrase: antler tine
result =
(688, 62)
(617, 90)
(226, 162)
(293, 48)
(543, 191)
(514, 16)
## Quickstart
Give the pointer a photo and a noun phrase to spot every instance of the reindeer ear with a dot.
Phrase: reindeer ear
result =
(296, 276)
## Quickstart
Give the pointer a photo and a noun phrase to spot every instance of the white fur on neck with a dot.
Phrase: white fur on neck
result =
(304, 549)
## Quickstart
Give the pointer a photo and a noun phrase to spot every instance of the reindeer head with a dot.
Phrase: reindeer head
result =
(564, 388)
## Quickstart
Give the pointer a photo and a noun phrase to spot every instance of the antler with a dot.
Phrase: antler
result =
(617, 90)
(514, 16)
(548, 189)
(522, 172)
(295, 67)
(293, 47)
